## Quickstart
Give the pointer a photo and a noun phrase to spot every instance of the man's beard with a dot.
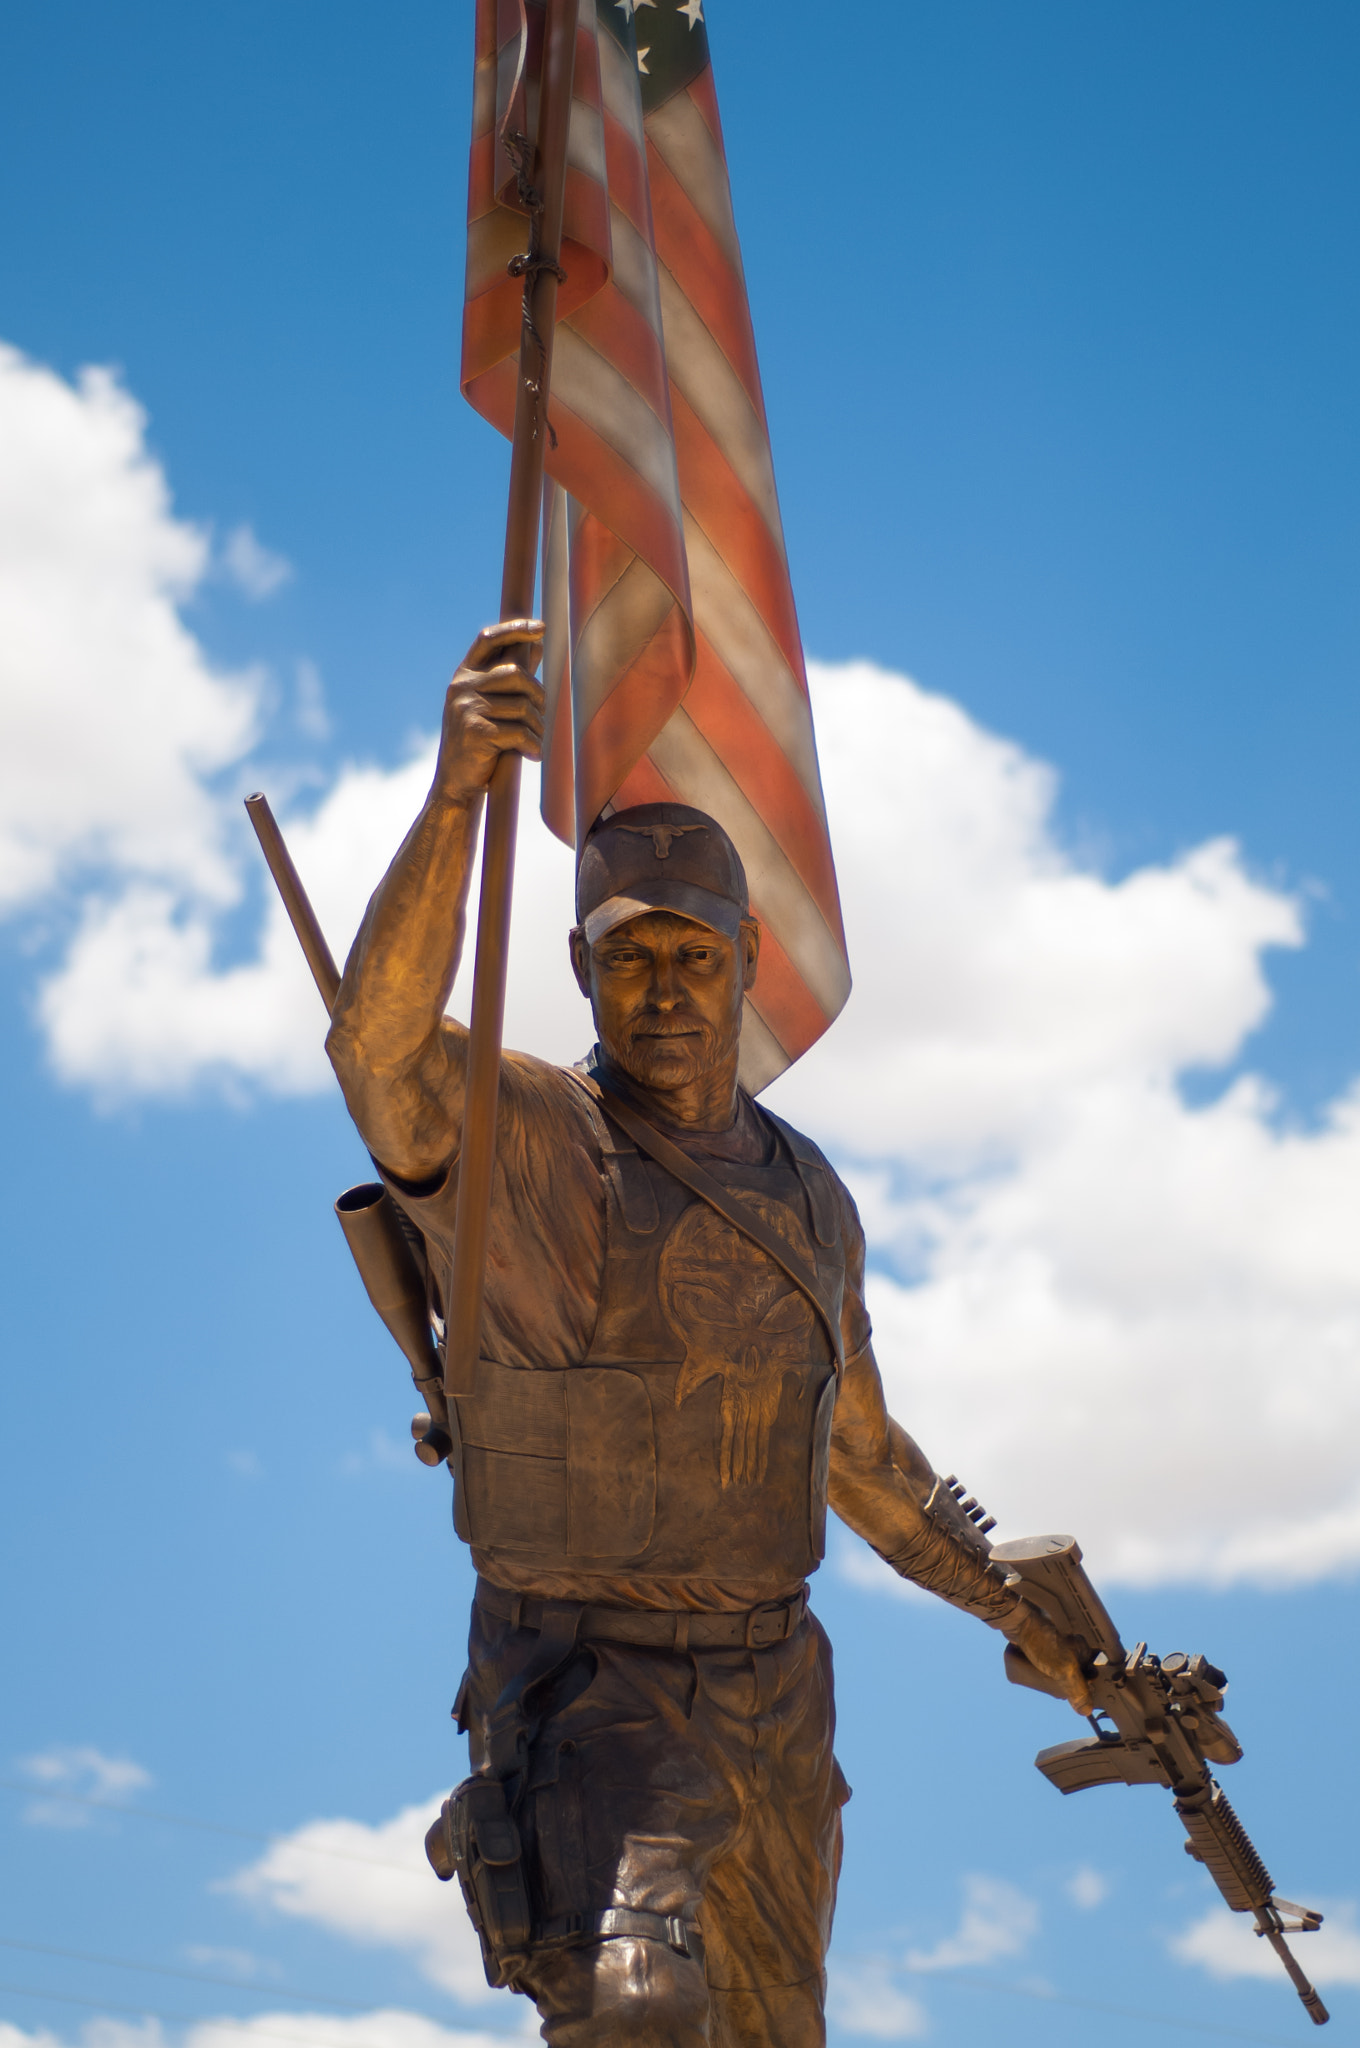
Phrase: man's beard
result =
(666, 1054)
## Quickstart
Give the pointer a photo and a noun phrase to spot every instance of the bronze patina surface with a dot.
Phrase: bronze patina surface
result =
(676, 1379)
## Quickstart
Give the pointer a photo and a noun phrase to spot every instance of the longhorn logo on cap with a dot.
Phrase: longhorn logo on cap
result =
(661, 835)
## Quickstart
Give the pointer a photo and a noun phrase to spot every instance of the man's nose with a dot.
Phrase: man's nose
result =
(665, 990)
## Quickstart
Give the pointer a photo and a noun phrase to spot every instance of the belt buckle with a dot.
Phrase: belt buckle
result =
(767, 1625)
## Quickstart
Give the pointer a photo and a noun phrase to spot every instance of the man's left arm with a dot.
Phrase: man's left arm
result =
(881, 1481)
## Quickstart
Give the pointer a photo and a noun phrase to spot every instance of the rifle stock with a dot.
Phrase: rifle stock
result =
(1165, 1729)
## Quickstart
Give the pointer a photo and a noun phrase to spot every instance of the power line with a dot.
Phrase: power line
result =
(327, 1998)
(193, 2019)
(181, 1820)
(1123, 2012)
(207, 1827)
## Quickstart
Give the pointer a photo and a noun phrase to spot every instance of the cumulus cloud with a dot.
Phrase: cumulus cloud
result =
(255, 569)
(372, 1885)
(1226, 1945)
(80, 1772)
(1087, 1888)
(1090, 1291)
(996, 1921)
(113, 717)
(862, 1998)
(1090, 1295)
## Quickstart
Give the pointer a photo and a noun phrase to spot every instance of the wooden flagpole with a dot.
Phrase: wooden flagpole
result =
(541, 271)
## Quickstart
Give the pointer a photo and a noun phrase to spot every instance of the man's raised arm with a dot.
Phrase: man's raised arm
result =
(398, 1059)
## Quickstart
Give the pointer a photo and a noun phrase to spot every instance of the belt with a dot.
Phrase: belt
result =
(666, 1628)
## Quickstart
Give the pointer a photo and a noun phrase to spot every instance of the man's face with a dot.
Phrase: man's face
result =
(667, 994)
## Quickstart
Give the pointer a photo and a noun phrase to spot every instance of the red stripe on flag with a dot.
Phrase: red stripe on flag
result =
(713, 493)
(593, 473)
(783, 999)
(739, 736)
(627, 172)
(613, 326)
(704, 95)
(696, 260)
(643, 698)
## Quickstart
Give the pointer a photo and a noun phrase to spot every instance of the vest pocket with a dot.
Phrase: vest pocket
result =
(562, 1464)
(611, 1463)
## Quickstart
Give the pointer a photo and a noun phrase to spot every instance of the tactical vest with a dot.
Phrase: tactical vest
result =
(692, 1440)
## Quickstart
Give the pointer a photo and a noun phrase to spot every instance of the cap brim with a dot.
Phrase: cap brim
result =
(687, 899)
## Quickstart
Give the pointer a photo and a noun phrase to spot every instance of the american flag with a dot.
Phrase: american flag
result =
(673, 663)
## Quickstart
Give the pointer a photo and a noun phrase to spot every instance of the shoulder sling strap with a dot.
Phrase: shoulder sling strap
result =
(701, 1183)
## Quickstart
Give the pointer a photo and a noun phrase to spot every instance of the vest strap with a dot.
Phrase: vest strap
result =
(702, 1183)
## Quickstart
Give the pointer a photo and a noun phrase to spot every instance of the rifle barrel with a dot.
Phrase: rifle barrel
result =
(301, 916)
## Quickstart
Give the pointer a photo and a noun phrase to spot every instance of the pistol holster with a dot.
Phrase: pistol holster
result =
(476, 1840)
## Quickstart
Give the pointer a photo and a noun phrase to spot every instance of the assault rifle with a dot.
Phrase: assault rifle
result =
(1157, 1721)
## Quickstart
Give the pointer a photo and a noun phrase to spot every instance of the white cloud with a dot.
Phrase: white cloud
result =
(80, 1772)
(1225, 1945)
(255, 570)
(111, 716)
(996, 1921)
(1102, 1298)
(373, 1885)
(863, 1999)
(310, 713)
(388, 2027)
(1109, 1311)
(1087, 1888)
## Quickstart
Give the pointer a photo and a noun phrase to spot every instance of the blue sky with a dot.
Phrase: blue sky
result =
(1057, 315)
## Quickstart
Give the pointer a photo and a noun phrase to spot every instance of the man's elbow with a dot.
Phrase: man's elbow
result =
(345, 1054)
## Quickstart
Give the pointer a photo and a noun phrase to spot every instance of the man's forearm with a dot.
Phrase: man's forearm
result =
(386, 1026)
(881, 1482)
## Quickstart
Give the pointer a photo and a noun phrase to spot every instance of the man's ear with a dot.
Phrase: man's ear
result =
(580, 958)
(750, 941)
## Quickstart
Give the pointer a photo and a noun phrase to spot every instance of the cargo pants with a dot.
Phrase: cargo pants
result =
(698, 1787)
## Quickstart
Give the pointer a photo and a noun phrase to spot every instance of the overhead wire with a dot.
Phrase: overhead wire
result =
(207, 1827)
(137, 1964)
(962, 1978)
(198, 2019)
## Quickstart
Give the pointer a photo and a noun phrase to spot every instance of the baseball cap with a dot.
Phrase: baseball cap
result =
(660, 857)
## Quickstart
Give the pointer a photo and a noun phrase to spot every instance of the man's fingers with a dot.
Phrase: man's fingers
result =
(507, 633)
(507, 734)
(500, 705)
(507, 675)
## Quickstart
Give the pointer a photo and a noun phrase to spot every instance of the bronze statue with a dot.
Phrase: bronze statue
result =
(676, 1377)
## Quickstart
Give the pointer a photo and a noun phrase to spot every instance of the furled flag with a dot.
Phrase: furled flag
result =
(673, 663)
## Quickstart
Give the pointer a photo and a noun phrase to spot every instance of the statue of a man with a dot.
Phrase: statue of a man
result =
(663, 1410)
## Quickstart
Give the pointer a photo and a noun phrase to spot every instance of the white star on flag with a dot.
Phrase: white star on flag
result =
(642, 54)
(693, 10)
(630, 7)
